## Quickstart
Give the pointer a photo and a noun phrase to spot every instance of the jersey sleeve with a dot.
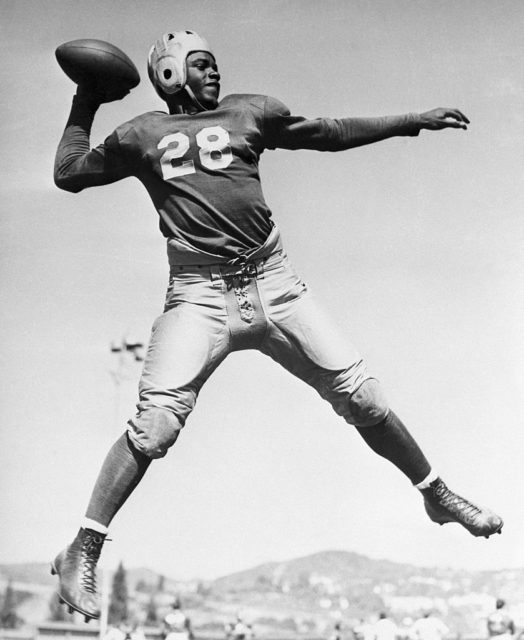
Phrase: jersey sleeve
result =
(285, 131)
(77, 166)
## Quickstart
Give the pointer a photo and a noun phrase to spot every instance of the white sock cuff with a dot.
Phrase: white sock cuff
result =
(87, 523)
(432, 475)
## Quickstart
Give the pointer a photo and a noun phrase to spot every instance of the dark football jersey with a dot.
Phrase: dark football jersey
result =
(201, 170)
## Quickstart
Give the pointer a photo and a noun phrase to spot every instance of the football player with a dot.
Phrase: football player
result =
(500, 624)
(176, 625)
(232, 285)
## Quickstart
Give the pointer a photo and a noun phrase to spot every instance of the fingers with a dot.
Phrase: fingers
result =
(457, 115)
(100, 94)
(454, 119)
(88, 94)
(452, 123)
(444, 118)
(464, 118)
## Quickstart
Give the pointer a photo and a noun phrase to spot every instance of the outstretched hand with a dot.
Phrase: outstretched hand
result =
(441, 118)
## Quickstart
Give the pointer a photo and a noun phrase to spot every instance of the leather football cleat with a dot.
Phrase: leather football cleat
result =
(442, 506)
(76, 570)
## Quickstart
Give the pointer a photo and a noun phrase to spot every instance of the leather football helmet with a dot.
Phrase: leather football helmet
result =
(166, 63)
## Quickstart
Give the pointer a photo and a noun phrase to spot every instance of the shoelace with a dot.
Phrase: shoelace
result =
(453, 502)
(91, 549)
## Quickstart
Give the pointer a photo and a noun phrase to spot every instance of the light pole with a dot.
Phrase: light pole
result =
(129, 353)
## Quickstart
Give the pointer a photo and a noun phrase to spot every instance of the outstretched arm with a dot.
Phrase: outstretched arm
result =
(330, 134)
(355, 132)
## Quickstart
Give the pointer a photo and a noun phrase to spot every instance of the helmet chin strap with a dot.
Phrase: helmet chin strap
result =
(198, 104)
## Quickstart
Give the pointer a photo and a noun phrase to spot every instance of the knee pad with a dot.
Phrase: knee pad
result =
(367, 405)
(153, 430)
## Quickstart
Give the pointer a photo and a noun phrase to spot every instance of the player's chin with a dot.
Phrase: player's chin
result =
(209, 105)
(209, 97)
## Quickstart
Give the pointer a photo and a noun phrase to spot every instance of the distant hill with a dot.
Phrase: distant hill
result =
(303, 595)
(341, 567)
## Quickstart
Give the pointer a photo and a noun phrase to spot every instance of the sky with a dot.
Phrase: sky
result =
(413, 245)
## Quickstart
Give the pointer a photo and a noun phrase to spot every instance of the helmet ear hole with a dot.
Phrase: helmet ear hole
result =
(166, 63)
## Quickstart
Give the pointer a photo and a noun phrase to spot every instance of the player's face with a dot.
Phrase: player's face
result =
(203, 78)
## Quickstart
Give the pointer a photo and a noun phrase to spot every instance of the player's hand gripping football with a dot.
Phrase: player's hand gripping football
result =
(90, 92)
(441, 118)
(103, 72)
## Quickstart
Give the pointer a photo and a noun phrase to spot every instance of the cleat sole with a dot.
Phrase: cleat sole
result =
(72, 609)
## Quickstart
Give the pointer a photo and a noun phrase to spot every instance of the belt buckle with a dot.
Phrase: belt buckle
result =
(247, 269)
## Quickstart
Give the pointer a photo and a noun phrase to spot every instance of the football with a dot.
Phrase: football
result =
(100, 64)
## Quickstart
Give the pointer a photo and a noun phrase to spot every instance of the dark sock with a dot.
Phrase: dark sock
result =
(391, 440)
(121, 472)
